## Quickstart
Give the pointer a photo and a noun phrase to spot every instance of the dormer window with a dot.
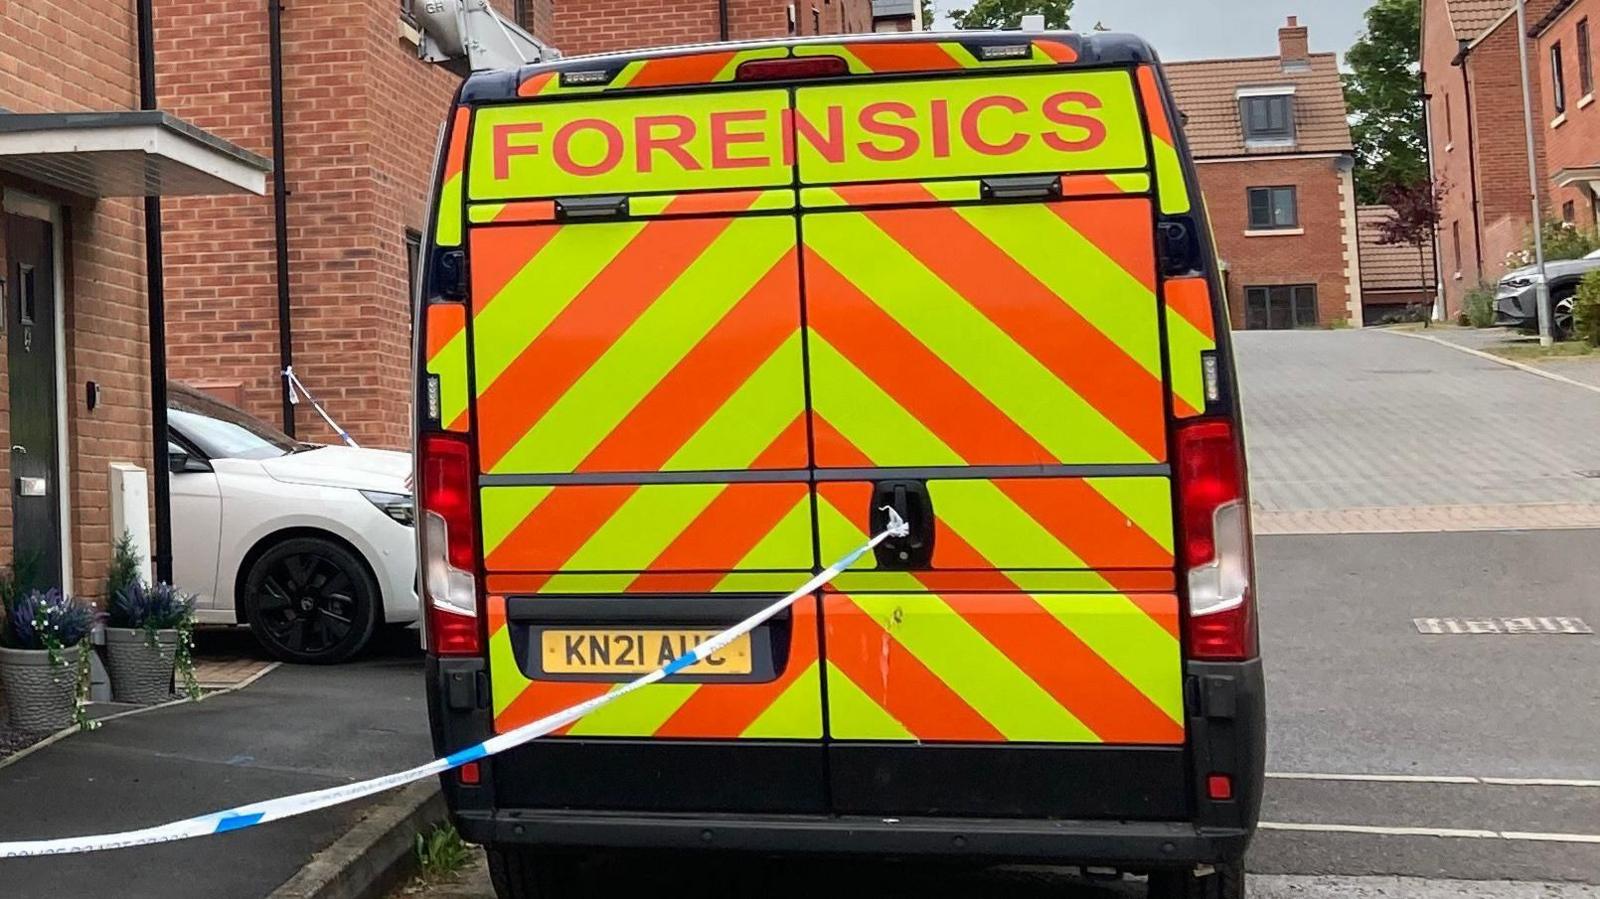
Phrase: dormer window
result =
(1267, 115)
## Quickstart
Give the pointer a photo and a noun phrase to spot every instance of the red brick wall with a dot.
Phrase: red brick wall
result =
(67, 56)
(603, 26)
(362, 116)
(1501, 143)
(1450, 150)
(1316, 257)
(1491, 210)
(1576, 142)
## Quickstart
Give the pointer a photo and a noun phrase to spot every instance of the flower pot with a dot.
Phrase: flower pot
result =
(40, 697)
(141, 673)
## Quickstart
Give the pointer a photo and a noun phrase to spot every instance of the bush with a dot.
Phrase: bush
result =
(159, 608)
(124, 569)
(1586, 310)
(1478, 306)
(1562, 240)
(48, 619)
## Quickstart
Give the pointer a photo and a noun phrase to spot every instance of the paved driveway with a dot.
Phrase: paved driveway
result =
(1340, 421)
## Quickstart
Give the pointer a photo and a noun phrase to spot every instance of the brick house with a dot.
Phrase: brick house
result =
(76, 154)
(1568, 114)
(360, 115)
(1396, 279)
(1478, 147)
(1276, 161)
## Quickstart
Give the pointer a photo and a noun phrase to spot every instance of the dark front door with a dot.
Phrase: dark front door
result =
(30, 323)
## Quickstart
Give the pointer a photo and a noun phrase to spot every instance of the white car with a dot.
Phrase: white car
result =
(312, 546)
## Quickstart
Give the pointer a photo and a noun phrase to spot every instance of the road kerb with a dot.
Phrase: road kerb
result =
(1471, 351)
(376, 854)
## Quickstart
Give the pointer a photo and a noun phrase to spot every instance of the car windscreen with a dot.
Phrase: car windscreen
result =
(222, 431)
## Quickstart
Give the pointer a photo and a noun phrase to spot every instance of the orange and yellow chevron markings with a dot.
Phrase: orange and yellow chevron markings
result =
(445, 326)
(788, 707)
(1009, 667)
(1170, 181)
(712, 67)
(1191, 332)
(1037, 343)
(447, 217)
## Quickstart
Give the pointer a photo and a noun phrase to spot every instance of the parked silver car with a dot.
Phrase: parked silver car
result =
(1516, 303)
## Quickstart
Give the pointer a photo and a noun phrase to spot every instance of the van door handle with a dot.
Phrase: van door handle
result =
(909, 500)
(19, 449)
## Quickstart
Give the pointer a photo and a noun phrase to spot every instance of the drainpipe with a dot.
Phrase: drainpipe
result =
(156, 297)
(722, 20)
(1472, 166)
(280, 211)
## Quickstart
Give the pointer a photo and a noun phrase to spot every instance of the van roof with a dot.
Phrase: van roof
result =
(868, 54)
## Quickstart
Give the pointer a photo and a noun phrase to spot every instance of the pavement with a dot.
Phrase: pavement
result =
(296, 728)
(1373, 431)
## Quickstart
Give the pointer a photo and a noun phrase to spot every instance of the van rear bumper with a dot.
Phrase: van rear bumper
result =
(1132, 845)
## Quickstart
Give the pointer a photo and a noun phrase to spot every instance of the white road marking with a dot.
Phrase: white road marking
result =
(1454, 779)
(1444, 832)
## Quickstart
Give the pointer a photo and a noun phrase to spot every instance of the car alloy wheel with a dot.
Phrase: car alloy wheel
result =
(1562, 317)
(310, 600)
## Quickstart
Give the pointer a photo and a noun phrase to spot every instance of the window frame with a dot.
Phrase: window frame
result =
(1585, 59)
(1286, 134)
(1558, 93)
(1272, 191)
(1291, 295)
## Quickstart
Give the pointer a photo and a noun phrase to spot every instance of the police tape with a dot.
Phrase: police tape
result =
(245, 816)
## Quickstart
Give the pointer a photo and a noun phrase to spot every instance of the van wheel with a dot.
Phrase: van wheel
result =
(1225, 882)
(518, 872)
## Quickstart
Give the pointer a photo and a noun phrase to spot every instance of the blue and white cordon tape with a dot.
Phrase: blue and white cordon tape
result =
(288, 806)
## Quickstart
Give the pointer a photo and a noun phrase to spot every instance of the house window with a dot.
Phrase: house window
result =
(413, 262)
(1281, 308)
(1585, 61)
(1558, 83)
(1569, 212)
(1268, 118)
(1455, 240)
(1273, 208)
(408, 10)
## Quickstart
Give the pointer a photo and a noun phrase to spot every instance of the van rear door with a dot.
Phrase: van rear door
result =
(985, 355)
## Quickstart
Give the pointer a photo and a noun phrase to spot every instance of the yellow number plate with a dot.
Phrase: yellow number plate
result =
(637, 652)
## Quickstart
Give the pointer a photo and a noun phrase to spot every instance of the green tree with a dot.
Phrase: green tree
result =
(927, 15)
(1009, 13)
(1384, 91)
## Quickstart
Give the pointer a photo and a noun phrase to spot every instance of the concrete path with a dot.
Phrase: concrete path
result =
(298, 728)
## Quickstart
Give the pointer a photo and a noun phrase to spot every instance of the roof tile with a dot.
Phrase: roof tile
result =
(1471, 18)
(1206, 92)
(1390, 266)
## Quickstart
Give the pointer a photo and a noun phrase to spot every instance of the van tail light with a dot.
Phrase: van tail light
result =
(785, 69)
(1216, 542)
(449, 551)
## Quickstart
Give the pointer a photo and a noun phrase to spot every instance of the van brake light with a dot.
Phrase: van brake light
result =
(784, 69)
(449, 547)
(1216, 542)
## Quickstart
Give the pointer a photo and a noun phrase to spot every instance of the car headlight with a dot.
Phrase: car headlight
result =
(395, 505)
(1521, 281)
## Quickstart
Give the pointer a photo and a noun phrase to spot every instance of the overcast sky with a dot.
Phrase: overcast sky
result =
(1196, 29)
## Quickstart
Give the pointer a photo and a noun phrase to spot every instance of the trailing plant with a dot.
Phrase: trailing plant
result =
(123, 572)
(54, 622)
(162, 607)
(1586, 310)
